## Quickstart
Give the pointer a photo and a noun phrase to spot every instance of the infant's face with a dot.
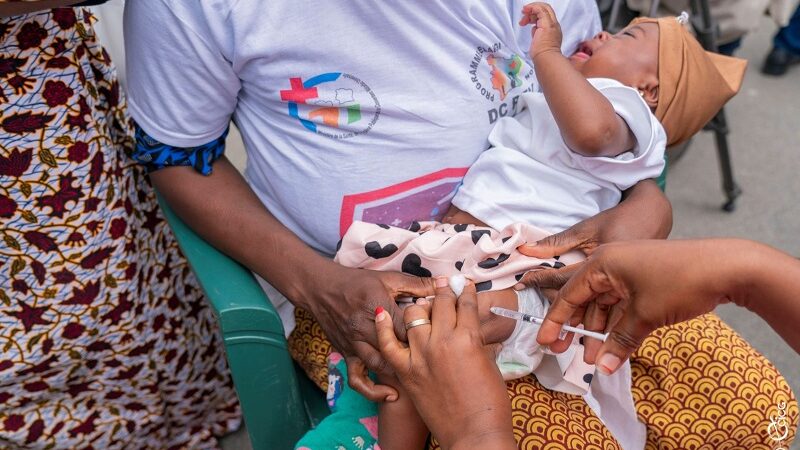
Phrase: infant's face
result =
(629, 56)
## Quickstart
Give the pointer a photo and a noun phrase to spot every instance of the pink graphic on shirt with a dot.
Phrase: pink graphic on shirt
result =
(420, 199)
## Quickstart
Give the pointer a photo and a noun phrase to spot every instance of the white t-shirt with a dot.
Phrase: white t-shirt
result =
(531, 176)
(349, 110)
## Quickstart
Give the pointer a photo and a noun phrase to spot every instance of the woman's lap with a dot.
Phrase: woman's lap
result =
(696, 385)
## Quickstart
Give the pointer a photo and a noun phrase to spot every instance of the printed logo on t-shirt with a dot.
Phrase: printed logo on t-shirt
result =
(423, 198)
(495, 76)
(335, 104)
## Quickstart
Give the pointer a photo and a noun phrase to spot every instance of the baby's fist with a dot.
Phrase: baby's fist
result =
(546, 31)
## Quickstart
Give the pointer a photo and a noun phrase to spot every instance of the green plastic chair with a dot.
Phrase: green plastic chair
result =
(279, 403)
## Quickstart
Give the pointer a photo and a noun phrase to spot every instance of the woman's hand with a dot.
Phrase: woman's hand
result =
(224, 210)
(449, 373)
(645, 213)
(343, 301)
(633, 288)
(546, 31)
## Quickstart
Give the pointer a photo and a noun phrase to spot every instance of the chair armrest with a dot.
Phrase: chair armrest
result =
(231, 289)
(255, 346)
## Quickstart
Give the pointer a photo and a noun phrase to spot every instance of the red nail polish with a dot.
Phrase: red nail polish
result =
(379, 310)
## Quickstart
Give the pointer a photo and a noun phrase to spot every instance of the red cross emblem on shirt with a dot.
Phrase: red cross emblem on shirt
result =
(298, 93)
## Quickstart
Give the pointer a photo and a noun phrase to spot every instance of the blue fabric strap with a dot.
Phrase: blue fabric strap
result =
(154, 155)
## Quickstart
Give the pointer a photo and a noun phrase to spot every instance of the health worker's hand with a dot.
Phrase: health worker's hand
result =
(449, 374)
(343, 301)
(632, 288)
(645, 213)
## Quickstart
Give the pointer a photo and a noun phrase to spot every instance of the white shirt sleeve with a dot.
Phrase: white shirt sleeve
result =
(646, 160)
(181, 89)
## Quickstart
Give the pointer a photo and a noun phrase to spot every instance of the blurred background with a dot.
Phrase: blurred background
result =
(764, 120)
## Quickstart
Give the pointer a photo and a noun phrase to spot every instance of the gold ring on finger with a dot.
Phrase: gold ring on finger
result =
(416, 323)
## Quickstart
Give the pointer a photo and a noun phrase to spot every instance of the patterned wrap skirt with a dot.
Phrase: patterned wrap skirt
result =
(106, 340)
(696, 385)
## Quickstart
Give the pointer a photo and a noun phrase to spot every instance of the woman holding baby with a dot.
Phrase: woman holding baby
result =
(375, 114)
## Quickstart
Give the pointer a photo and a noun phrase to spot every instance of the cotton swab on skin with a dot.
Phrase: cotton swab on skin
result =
(457, 283)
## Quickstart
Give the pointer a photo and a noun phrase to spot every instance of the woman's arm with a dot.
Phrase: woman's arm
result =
(16, 8)
(645, 285)
(587, 120)
(224, 210)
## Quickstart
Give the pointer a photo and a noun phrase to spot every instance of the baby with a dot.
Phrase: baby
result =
(599, 125)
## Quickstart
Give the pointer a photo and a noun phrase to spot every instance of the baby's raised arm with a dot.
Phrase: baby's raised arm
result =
(586, 119)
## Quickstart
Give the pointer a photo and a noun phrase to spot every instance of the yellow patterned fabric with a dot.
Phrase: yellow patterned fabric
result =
(697, 385)
(310, 348)
(545, 419)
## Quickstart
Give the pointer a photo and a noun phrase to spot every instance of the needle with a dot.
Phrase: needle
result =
(516, 315)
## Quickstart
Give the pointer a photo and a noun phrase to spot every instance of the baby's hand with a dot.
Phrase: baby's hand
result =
(359, 380)
(546, 31)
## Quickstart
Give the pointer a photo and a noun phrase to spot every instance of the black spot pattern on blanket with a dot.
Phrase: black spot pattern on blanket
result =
(412, 264)
(415, 226)
(505, 239)
(460, 227)
(374, 250)
(489, 263)
(383, 225)
(459, 265)
(485, 286)
(558, 264)
(478, 234)
(519, 276)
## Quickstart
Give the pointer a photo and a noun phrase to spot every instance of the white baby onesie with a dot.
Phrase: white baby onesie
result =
(530, 176)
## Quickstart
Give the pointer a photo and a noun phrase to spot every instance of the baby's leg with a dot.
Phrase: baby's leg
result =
(494, 328)
(399, 424)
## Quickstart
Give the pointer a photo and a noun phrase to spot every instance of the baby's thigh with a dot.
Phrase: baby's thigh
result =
(494, 328)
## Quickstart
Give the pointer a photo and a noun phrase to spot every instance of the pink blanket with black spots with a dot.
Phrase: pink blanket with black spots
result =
(486, 256)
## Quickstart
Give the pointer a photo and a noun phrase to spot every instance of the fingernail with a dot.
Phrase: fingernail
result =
(382, 315)
(608, 363)
(390, 398)
(519, 287)
(441, 282)
(379, 310)
(423, 302)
